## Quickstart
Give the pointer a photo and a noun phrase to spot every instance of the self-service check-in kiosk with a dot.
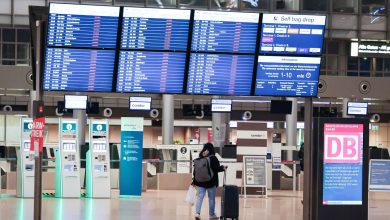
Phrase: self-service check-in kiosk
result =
(98, 160)
(26, 163)
(68, 160)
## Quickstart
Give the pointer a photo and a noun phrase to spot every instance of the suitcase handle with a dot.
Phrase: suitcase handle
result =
(224, 177)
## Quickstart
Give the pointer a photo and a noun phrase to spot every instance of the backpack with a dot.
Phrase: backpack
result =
(203, 171)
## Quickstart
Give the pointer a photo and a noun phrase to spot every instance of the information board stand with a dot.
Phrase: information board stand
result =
(255, 173)
(379, 175)
(130, 173)
(340, 177)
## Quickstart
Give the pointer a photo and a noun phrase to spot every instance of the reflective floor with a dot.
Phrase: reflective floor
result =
(168, 205)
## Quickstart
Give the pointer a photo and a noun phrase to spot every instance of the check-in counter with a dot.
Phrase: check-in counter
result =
(173, 181)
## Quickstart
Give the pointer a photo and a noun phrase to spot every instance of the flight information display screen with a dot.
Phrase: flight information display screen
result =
(287, 76)
(87, 26)
(224, 32)
(220, 74)
(151, 72)
(78, 69)
(155, 29)
(292, 34)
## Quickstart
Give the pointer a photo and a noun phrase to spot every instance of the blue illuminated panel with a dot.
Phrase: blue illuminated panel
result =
(151, 72)
(155, 29)
(82, 26)
(78, 70)
(224, 32)
(292, 34)
(287, 76)
(220, 74)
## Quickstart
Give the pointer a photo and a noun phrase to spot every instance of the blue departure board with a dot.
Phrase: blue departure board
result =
(151, 72)
(292, 34)
(86, 26)
(224, 32)
(78, 69)
(220, 74)
(155, 29)
(287, 76)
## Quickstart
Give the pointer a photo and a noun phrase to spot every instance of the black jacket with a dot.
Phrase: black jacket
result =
(301, 156)
(216, 167)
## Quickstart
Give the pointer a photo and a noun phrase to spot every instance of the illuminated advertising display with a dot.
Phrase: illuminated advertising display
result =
(343, 164)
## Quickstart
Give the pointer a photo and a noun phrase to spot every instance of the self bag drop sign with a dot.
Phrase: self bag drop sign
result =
(343, 169)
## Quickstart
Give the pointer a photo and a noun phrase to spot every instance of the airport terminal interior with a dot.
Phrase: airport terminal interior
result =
(107, 106)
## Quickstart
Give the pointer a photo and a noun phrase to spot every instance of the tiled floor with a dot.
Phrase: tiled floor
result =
(169, 205)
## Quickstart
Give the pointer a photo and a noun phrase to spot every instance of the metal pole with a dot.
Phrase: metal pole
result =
(38, 154)
(291, 128)
(307, 187)
(168, 118)
(294, 177)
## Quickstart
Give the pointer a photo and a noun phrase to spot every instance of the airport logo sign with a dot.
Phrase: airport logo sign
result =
(343, 143)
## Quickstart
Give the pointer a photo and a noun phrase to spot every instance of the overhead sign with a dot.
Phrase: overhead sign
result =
(287, 76)
(343, 164)
(221, 105)
(379, 175)
(140, 103)
(370, 49)
(292, 34)
(357, 108)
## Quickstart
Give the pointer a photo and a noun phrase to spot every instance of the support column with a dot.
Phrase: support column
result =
(308, 211)
(345, 108)
(33, 97)
(81, 117)
(291, 127)
(168, 108)
(38, 96)
(221, 128)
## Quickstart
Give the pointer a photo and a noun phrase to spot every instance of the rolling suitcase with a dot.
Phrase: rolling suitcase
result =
(229, 201)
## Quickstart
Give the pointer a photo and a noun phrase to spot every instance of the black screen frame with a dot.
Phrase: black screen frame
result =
(326, 212)
(254, 54)
(46, 46)
(186, 52)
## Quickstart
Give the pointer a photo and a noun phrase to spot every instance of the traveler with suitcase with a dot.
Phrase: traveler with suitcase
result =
(205, 177)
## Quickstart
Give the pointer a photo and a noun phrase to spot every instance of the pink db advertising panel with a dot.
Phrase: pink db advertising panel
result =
(343, 164)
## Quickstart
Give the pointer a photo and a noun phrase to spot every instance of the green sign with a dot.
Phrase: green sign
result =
(375, 127)
(99, 129)
(27, 126)
(69, 128)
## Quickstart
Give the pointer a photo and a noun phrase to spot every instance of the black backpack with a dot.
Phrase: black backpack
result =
(203, 171)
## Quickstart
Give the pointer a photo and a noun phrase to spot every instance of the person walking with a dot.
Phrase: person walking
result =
(205, 177)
